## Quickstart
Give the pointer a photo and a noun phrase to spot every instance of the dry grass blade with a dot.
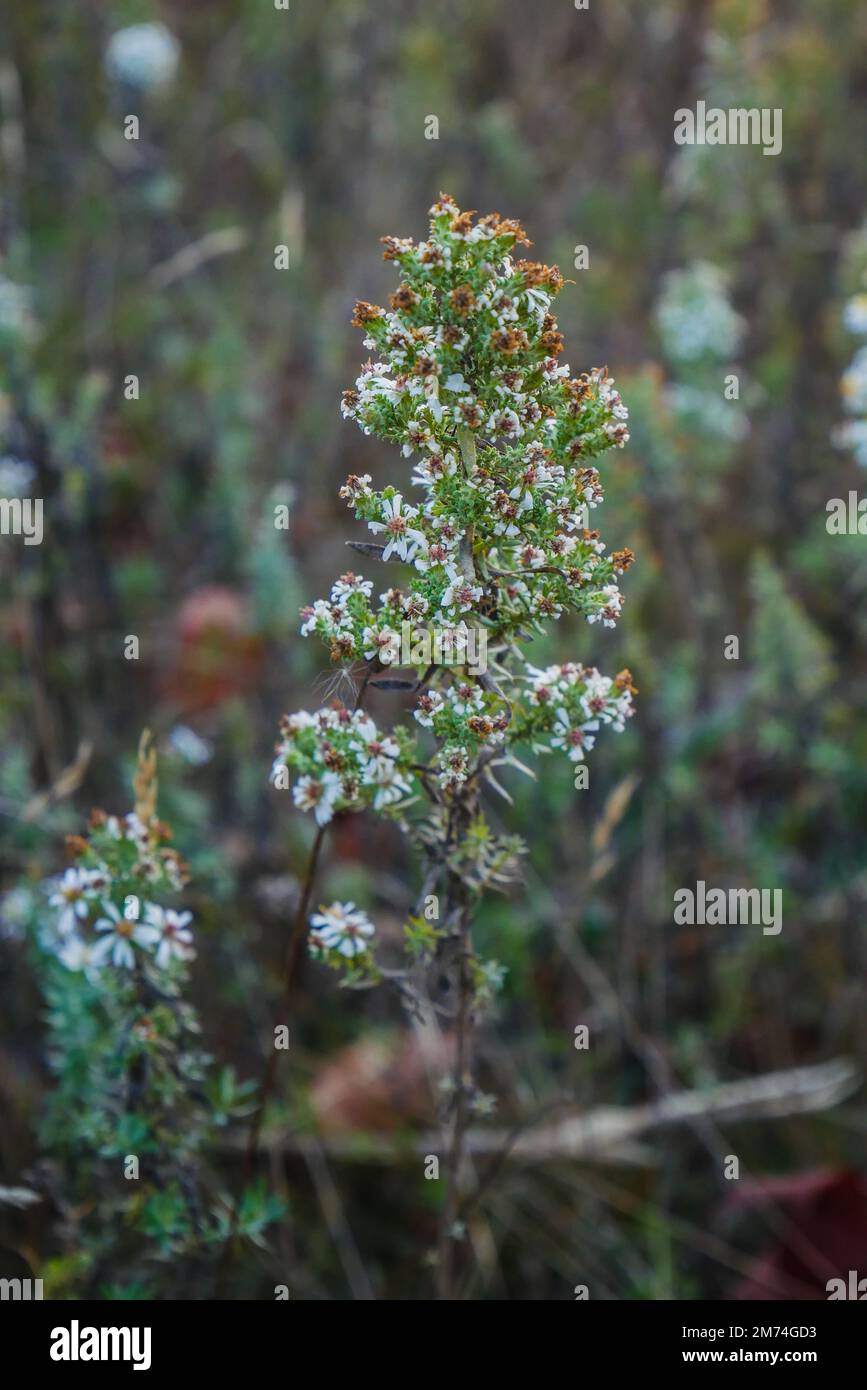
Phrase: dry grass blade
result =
(68, 782)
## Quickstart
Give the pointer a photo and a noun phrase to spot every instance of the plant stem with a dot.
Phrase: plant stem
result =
(270, 1072)
(292, 945)
(458, 907)
(448, 1235)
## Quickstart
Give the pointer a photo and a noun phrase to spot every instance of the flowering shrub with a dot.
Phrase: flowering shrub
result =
(137, 1103)
(343, 761)
(468, 380)
(466, 377)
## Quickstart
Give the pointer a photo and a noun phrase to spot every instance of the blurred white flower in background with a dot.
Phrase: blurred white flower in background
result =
(15, 477)
(853, 386)
(853, 435)
(855, 314)
(15, 313)
(704, 409)
(16, 907)
(188, 745)
(694, 316)
(144, 55)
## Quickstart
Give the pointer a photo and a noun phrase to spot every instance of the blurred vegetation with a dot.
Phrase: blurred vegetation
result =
(155, 258)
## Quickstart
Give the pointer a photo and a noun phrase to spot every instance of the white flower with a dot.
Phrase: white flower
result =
(506, 423)
(483, 1104)
(610, 611)
(320, 609)
(355, 487)
(431, 469)
(71, 898)
(525, 504)
(466, 699)
(379, 755)
(318, 795)
(454, 761)
(461, 594)
(390, 786)
(351, 584)
(363, 728)
(402, 539)
(382, 642)
(374, 382)
(418, 435)
(431, 553)
(454, 344)
(302, 719)
(119, 936)
(327, 719)
(415, 605)
(342, 927)
(454, 640)
(573, 740)
(78, 955)
(129, 828)
(429, 705)
(538, 300)
(175, 938)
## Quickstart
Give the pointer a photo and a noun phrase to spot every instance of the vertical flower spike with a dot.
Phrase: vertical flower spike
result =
(145, 781)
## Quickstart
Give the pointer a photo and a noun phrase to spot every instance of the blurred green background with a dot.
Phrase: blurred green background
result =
(156, 258)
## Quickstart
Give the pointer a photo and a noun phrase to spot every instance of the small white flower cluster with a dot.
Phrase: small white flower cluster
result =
(153, 862)
(570, 703)
(348, 624)
(101, 919)
(466, 719)
(343, 762)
